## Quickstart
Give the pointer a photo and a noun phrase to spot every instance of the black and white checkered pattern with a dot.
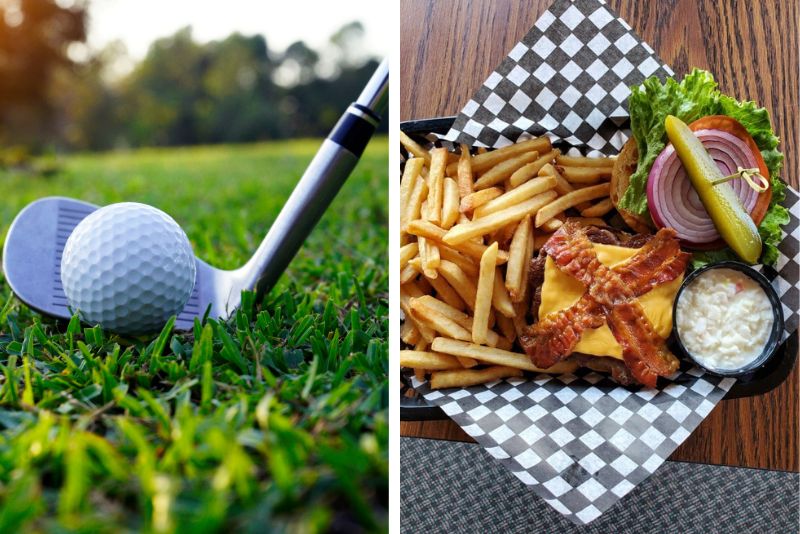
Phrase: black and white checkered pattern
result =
(581, 441)
(785, 277)
(569, 77)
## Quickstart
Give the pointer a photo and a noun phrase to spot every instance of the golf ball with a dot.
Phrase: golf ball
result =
(128, 267)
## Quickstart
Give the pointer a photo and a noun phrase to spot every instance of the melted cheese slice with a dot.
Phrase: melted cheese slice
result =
(561, 291)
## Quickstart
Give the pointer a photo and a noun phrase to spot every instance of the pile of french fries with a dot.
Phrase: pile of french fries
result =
(469, 226)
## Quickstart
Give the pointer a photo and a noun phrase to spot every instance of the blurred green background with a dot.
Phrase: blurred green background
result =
(273, 421)
(58, 93)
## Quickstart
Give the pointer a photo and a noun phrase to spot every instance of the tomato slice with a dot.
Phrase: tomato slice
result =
(734, 127)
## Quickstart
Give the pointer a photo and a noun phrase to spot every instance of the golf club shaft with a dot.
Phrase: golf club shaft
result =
(323, 178)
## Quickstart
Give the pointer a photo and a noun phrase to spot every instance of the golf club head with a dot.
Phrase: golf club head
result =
(32, 263)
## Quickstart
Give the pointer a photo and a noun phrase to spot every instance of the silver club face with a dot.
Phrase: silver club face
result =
(32, 264)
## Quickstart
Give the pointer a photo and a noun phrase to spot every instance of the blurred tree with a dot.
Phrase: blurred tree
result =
(239, 97)
(184, 92)
(89, 112)
(34, 37)
(299, 62)
(349, 41)
(161, 94)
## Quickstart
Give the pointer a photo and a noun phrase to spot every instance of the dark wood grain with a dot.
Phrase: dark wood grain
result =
(449, 47)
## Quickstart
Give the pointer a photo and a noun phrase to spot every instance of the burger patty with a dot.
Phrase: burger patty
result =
(603, 236)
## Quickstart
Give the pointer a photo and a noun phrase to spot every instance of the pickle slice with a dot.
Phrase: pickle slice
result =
(729, 216)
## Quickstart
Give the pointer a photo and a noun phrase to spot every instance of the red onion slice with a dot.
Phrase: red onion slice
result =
(673, 201)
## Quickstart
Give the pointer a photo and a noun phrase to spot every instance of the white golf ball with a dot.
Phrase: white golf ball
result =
(128, 267)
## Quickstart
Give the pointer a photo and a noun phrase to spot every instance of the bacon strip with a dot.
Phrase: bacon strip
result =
(555, 336)
(643, 350)
(659, 261)
(610, 297)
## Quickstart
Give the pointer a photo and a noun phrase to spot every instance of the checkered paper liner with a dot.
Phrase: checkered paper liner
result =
(569, 78)
(582, 441)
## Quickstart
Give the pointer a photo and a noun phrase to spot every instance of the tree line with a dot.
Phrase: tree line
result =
(183, 92)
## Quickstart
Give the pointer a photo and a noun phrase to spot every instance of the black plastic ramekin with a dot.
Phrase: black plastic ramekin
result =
(775, 335)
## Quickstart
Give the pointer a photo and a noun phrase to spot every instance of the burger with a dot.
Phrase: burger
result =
(573, 313)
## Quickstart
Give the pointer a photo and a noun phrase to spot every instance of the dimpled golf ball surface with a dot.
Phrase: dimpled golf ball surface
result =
(128, 267)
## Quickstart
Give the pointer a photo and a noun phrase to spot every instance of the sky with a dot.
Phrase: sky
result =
(137, 23)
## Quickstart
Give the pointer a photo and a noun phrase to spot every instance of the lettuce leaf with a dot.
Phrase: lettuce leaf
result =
(693, 97)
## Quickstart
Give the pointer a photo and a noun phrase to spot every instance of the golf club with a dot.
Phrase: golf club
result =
(36, 238)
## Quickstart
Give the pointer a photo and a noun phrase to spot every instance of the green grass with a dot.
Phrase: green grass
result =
(273, 421)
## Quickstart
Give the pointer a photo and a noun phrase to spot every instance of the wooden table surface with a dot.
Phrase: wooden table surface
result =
(449, 47)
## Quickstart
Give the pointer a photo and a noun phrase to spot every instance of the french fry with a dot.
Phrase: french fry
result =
(442, 324)
(419, 374)
(567, 201)
(446, 293)
(484, 225)
(500, 298)
(483, 295)
(409, 333)
(461, 283)
(599, 209)
(407, 292)
(479, 198)
(423, 252)
(517, 253)
(552, 225)
(436, 185)
(525, 173)
(529, 252)
(464, 172)
(431, 231)
(445, 309)
(496, 356)
(503, 170)
(430, 261)
(562, 185)
(438, 321)
(585, 175)
(410, 173)
(587, 221)
(428, 251)
(408, 274)
(414, 208)
(485, 160)
(515, 196)
(466, 263)
(428, 360)
(414, 148)
(407, 252)
(492, 339)
(506, 325)
(450, 203)
(464, 377)
(579, 161)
